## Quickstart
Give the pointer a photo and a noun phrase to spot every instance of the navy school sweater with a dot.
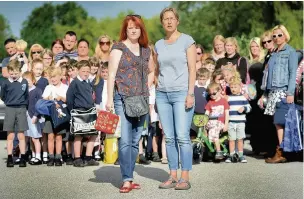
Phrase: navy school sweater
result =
(42, 83)
(15, 94)
(79, 95)
(201, 99)
(34, 95)
(98, 90)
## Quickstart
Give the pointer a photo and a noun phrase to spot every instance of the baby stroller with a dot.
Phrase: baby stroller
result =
(203, 149)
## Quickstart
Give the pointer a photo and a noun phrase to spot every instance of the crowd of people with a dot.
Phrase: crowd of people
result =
(173, 80)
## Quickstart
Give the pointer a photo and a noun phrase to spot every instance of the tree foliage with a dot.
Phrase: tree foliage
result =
(5, 32)
(40, 25)
(243, 20)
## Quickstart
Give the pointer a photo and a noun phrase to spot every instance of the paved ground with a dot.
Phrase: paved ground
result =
(255, 180)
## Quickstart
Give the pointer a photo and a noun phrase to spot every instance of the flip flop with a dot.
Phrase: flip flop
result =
(135, 186)
(125, 189)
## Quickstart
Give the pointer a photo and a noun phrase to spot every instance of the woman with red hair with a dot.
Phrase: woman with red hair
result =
(130, 67)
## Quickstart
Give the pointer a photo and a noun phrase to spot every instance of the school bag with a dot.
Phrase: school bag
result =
(60, 116)
(43, 107)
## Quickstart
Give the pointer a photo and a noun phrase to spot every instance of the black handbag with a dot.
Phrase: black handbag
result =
(136, 106)
(83, 121)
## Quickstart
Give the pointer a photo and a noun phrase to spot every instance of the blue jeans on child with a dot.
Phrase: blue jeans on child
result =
(176, 122)
(131, 130)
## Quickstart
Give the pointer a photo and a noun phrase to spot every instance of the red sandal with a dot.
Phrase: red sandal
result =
(135, 186)
(125, 189)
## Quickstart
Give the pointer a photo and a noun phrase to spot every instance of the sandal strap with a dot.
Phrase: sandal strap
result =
(183, 181)
(171, 179)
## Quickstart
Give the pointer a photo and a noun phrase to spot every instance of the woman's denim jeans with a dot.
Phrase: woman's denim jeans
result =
(176, 122)
(131, 129)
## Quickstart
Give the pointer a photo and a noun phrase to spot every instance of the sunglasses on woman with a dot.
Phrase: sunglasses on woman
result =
(104, 43)
(277, 35)
(36, 52)
(264, 42)
(138, 16)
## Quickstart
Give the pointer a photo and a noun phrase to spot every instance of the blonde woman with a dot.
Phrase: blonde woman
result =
(103, 47)
(35, 52)
(256, 52)
(218, 47)
(280, 81)
(233, 57)
(48, 57)
(256, 116)
(267, 44)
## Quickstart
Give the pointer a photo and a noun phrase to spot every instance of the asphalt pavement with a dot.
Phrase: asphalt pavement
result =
(254, 180)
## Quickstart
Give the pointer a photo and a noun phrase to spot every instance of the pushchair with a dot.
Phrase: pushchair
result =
(203, 149)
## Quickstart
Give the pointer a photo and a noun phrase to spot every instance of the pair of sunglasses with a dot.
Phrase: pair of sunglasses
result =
(134, 15)
(264, 42)
(104, 43)
(214, 93)
(277, 35)
(36, 52)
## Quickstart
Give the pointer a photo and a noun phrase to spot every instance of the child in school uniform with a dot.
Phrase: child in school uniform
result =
(64, 73)
(35, 127)
(41, 83)
(72, 70)
(95, 65)
(154, 130)
(38, 69)
(98, 87)
(14, 94)
(55, 91)
(200, 94)
(80, 96)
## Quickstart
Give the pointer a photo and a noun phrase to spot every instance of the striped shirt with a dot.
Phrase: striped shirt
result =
(236, 102)
(73, 55)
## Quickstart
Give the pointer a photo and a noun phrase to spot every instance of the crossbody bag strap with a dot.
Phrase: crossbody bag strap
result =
(142, 68)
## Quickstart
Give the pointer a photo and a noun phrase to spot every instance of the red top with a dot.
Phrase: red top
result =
(217, 109)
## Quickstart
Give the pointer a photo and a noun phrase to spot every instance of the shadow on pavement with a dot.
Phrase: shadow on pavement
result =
(107, 174)
(152, 173)
(111, 174)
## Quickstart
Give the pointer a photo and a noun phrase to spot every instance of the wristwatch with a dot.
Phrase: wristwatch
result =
(191, 94)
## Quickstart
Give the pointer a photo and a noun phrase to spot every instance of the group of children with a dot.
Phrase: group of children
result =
(84, 83)
(221, 95)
